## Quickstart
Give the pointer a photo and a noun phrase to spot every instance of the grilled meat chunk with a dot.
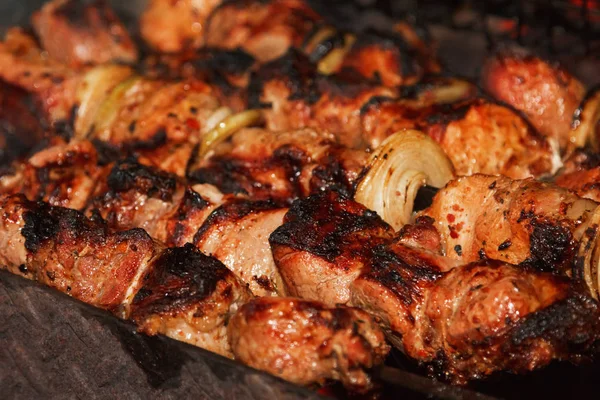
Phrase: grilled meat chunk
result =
(321, 247)
(466, 321)
(478, 136)
(547, 94)
(78, 33)
(281, 166)
(64, 175)
(172, 26)
(265, 29)
(523, 221)
(305, 342)
(189, 297)
(479, 318)
(178, 292)
(63, 249)
(581, 174)
(299, 97)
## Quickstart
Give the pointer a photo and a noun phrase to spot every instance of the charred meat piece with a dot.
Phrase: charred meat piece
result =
(178, 292)
(397, 58)
(25, 65)
(171, 26)
(281, 166)
(478, 136)
(78, 33)
(237, 233)
(547, 94)
(189, 297)
(479, 318)
(306, 343)
(520, 222)
(265, 29)
(63, 174)
(322, 246)
(465, 321)
(297, 97)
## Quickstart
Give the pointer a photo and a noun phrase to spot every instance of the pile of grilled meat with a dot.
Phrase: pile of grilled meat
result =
(244, 182)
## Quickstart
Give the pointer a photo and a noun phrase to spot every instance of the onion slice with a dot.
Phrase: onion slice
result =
(95, 87)
(401, 165)
(227, 127)
(585, 121)
(588, 256)
(110, 107)
(332, 61)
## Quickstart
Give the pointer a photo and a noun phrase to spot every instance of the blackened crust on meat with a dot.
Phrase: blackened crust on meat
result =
(325, 224)
(224, 173)
(129, 174)
(552, 247)
(571, 324)
(407, 56)
(374, 102)
(157, 140)
(405, 276)
(330, 175)
(231, 211)
(295, 69)
(45, 223)
(107, 153)
(225, 61)
(180, 276)
(347, 83)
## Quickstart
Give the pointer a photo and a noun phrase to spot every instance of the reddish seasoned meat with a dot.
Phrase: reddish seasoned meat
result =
(479, 318)
(581, 174)
(397, 58)
(323, 244)
(189, 297)
(171, 26)
(522, 221)
(547, 94)
(178, 292)
(299, 97)
(466, 320)
(63, 175)
(237, 233)
(477, 135)
(78, 33)
(25, 65)
(280, 165)
(265, 29)
(61, 248)
(305, 342)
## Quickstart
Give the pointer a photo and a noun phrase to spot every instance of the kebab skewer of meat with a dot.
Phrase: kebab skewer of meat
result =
(465, 320)
(185, 294)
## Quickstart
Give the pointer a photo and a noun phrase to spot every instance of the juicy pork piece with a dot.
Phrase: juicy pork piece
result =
(178, 292)
(547, 94)
(297, 97)
(581, 174)
(171, 26)
(479, 136)
(520, 222)
(78, 33)
(265, 29)
(321, 247)
(305, 342)
(281, 166)
(466, 321)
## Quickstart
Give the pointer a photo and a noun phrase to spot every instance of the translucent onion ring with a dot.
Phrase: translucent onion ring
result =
(227, 127)
(397, 169)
